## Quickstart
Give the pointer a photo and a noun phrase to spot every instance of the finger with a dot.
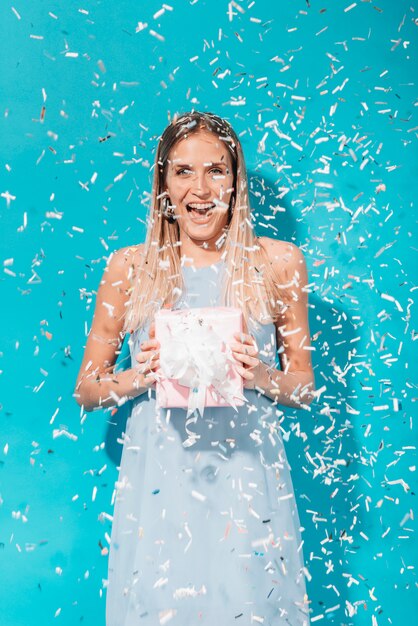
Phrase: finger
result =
(151, 330)
(150, 379)
(150, 344)
(149, 367)
(246, 374)
(246, 339)
(248, 360)
(155, 365)
(245, 353)
(143, 357)
(244, 348)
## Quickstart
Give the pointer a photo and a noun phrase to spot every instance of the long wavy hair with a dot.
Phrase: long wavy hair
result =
(249, 282)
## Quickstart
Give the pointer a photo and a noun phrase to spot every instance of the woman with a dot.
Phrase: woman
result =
(205, 533)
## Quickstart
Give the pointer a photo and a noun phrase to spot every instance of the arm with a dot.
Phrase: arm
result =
(97, 385)
(295, 385)
(295, 389)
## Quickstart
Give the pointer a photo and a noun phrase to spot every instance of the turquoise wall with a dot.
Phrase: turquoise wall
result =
(324, 98)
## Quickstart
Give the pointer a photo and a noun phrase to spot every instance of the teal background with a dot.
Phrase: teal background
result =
(336, 173)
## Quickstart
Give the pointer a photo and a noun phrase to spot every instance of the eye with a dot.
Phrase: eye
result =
(183, 170)
(216, 170)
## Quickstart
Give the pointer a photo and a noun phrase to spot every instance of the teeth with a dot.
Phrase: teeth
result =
(201, 206)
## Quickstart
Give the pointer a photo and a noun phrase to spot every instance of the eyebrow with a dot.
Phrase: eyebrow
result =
(207, 164)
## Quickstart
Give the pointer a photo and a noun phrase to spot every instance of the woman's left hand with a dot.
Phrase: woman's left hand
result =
(245, 352)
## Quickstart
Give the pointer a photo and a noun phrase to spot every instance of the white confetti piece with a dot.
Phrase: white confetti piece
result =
(166, 616)
(188, 592)
(156, 35)
(386, 296)
(63, 433)
(198, 496)
(399, 481)
(161, 582)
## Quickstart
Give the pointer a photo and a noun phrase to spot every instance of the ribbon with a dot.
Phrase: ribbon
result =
(197, 357)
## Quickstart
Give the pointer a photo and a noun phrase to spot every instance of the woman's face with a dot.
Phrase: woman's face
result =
(199, 182)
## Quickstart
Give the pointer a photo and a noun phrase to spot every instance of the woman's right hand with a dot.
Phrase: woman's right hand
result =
(148, 360)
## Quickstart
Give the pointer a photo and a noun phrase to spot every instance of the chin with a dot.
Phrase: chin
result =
(201, 233)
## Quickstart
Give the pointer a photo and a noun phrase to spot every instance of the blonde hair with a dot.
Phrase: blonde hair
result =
(249, 281)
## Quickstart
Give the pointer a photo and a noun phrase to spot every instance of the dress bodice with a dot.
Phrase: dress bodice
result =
(205, 527)
(203, 289)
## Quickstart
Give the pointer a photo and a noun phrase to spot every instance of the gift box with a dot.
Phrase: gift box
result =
(196, 362)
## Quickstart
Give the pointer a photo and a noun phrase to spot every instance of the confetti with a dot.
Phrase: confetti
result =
(329, 148)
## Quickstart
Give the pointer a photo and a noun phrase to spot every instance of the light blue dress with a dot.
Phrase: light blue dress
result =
(207, 534)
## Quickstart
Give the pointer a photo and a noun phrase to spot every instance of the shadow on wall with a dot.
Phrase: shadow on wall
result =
(319, 443)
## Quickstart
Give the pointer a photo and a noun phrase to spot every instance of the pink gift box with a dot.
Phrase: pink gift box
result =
(224, 322)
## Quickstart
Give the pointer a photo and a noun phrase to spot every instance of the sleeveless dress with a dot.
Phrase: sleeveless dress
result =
(207, 534)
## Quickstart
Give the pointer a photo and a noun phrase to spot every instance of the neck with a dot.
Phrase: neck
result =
(200, 253)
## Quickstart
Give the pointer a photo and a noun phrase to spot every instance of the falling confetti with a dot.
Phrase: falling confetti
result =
(323, 99)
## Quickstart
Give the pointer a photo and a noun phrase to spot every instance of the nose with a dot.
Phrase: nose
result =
(200, 185)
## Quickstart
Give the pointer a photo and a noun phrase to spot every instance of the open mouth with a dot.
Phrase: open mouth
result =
(199, 209)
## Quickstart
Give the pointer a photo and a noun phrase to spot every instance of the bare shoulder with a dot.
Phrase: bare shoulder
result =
(284, 255)
(120, 262)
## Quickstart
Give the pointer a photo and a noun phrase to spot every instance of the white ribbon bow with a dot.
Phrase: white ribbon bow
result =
(193, 356)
